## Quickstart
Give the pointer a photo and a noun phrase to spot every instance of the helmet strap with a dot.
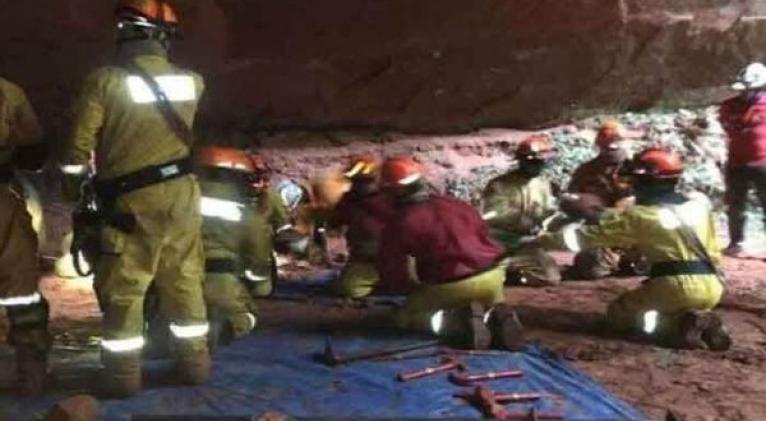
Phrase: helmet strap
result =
(127, 50)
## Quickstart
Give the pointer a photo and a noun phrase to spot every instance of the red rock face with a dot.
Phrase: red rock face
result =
(411, 65)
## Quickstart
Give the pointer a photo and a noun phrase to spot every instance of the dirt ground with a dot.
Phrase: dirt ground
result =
(695, 385)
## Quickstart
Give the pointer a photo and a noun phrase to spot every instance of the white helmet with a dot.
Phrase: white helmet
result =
(751, 77)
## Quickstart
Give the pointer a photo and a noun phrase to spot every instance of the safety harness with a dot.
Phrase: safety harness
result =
(702, 266)
(107, 191)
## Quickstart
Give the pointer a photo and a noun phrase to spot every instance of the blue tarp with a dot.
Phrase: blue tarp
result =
(278, 370)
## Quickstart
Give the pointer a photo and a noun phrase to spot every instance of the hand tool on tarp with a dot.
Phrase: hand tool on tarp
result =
(447, 364)
(332, 358)
(469, 379)
(491, 404)
(409, 355)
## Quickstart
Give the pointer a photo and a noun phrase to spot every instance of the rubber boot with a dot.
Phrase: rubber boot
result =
(465, 327)
(697, 326)
(32, 343)
(31, 370)
(507, 330)
(716, 336)
(193, 361)
(122, 373)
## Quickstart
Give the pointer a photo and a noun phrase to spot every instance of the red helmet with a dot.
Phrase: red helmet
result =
(658, 163)
(401, 171)
(361, 166)
(226, 158)
(538, 146)
(150, 13)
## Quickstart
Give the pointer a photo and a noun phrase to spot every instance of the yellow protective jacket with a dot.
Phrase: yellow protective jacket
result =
(238, 240)
(18, 122)
(115, 110)
(514, 206)
(271, 206)
(651, 230)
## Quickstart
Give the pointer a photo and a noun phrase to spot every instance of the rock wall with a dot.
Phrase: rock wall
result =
(408, 65)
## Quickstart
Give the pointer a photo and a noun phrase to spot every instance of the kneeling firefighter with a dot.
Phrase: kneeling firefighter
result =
(438, 250)
(677, 236)
(137, 115)
(364, 211)
(231, 229)
(520, 203)
(277, 233)
(21, 148)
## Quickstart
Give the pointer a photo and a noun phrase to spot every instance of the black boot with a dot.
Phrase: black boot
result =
(701, 330)
(507, 330)
(716, 336)
(465, 327)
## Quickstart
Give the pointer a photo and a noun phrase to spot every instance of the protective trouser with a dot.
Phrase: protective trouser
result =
(739, 180)
(163, 248)
(358, 279)
(668, 297)
(533, 267)
(485, 288)
(19, 276)
(19, 270)
(227, 300)
(260, 261)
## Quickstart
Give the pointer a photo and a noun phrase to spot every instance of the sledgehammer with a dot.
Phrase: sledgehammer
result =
(331, 358)
(490, 404)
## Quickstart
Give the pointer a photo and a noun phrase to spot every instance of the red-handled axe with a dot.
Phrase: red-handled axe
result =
(469, 379)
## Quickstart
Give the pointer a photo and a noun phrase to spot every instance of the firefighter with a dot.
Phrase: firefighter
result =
(744, 120)
(517, 204)
(677, 235)
(437, 250)
(363, 211)
(137, 116)
(21, 148)
(596, 186)
(269, 204)
(230, 229)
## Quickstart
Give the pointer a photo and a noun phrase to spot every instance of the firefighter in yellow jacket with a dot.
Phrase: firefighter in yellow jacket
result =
(270, 206)
(677, 236)
(516, 204)
(20, 148)
(136, 115)
(231, 229)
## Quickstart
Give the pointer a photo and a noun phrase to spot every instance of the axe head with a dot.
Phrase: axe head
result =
(329, 356)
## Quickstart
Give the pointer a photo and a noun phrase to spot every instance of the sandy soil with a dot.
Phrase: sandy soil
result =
(696, 385)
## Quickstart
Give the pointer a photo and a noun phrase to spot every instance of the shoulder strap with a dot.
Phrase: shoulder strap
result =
(165, 108)
(696, 245)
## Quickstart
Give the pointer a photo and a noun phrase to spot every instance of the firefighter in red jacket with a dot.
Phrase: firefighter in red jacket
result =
(363, 211)
(439, 250)
(744, 120)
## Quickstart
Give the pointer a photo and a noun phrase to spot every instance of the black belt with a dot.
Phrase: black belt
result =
(680, 267)
(109, 190)
(221, 266)
(6, 173)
